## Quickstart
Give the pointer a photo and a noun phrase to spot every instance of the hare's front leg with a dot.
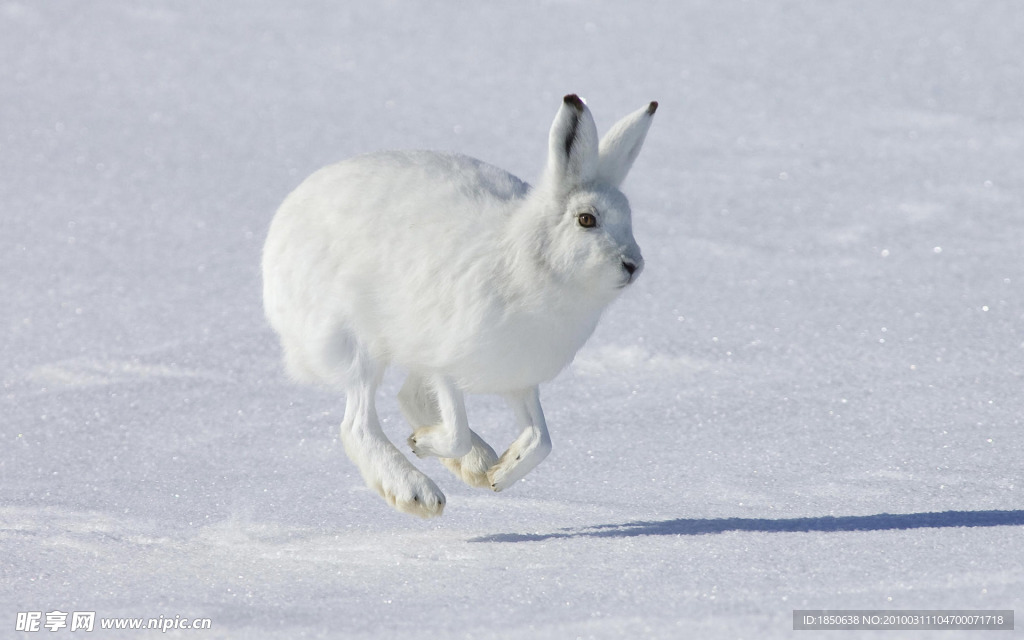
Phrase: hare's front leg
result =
(382, 466)
(420, 404)
(532, 445)
(448, 436)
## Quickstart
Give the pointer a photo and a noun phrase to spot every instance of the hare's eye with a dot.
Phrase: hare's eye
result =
(586, 220)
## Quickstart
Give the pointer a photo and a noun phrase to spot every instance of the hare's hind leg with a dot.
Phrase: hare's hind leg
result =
(532, 445)
(382, 466)
(421, 404)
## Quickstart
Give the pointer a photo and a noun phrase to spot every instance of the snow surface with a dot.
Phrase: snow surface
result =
(829, 329)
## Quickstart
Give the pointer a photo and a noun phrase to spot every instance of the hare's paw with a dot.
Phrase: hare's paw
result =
(403, 486)
(472, 467)
(411, 492)
(505, 472)
(525, 453)
(440, 442)
(421, 499)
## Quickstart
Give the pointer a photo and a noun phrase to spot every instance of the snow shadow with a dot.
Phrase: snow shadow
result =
(828, 524)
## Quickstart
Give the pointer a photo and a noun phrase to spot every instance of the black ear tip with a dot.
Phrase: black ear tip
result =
(573, 101)
(651, 108)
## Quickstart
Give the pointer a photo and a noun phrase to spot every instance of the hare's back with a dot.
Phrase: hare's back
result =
(462, 174)
(415, 184)
(392, 206)
(411, 207)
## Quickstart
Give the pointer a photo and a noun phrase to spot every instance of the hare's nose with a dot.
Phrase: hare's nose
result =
(629, 266)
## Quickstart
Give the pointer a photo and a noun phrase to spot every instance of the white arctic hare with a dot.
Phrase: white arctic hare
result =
(459, 273)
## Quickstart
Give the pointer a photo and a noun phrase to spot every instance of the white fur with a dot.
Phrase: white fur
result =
(461, 274)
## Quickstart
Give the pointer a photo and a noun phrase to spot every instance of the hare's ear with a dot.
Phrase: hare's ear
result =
(621, 145)
(572, 146)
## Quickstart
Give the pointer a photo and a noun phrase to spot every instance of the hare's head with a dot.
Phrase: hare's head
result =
(590, 232)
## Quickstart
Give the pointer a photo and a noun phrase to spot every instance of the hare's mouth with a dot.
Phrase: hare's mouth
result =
(631, 270)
